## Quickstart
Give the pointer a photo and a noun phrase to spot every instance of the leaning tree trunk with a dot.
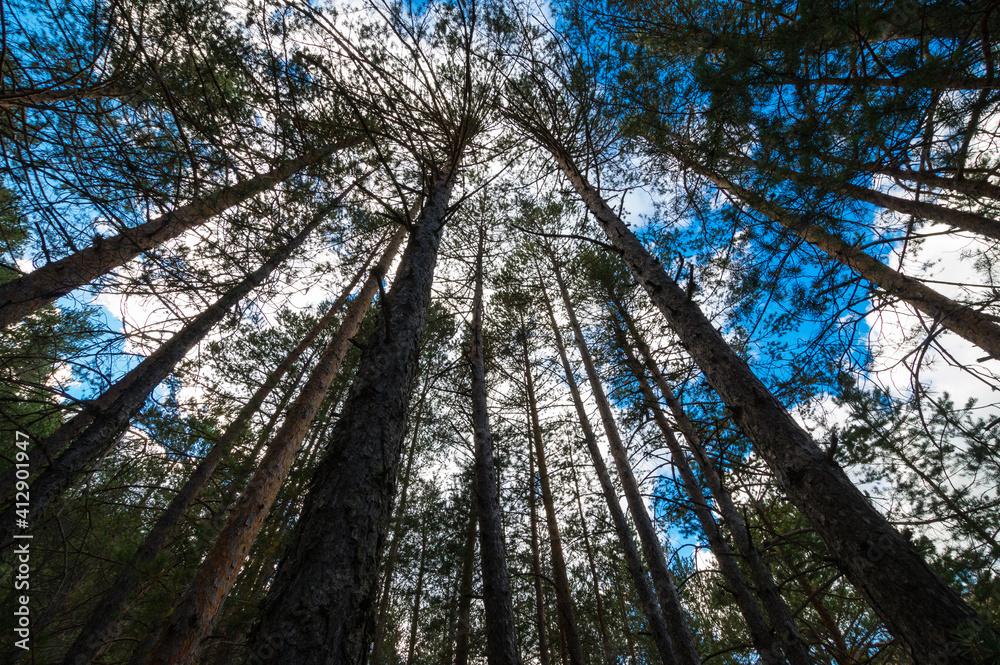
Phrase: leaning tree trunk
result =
(317, 609)
(501, 630)
(767, 589)
(23, 296)
(102, 627)
(195, 612)
(564, 601)
(913, 601)
(769, 649)
(101, 435)
(644, 590)
(411, 648)
(685, 647)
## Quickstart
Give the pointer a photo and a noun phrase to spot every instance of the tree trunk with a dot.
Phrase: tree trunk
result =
(411, 649)
(644, 590)
(465, 590)
(769, 649)
(536, 563)
(195, 612)
(102, 434)
(685, 648)
(978, 328)
(916, 605)
(771, 599)
(501, 630)
(102, 627)
(564, 601)
(23, 296)
(319, 604)
(609, 656)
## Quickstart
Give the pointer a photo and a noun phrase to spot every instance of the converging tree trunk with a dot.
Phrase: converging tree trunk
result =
(536, 562)
(465, 588)
(25, 295)
(103, 432)
(915, 603)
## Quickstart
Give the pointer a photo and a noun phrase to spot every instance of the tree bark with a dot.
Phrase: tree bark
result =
(916, 605)
(564, 600)
(102, 434)
(501, 629)
(685, 648)
(411, 649)
(318, 609)
(644, 590)
(23, 296)
(536, 563)
(465, 590)
(771, 599)
(180, 639)
(102, 626)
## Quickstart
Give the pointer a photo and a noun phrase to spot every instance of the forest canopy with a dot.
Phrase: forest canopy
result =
(592, 332)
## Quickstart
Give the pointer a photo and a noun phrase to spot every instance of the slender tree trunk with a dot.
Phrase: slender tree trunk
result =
(536, 563)
(771, 599)
(916, 605)
(101, 435)
(764, 642)
(23, 296)
(319, 604)
(644, 590)
(685, 648)
(102, 626)
(501, 630)
(411, 649)
(973, 325)
(196, 610)
(465, 590)
(564, 600)
(609, 656)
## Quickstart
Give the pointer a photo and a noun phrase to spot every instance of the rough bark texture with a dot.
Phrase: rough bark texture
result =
(319, 608)
(501, 629)
(102, 434)
(915, 604)
(465, 589)
(23, 296)
(767, 590)
(564, 600)
(685, 647)
(644, 590)
(102, 626)
(195, 612)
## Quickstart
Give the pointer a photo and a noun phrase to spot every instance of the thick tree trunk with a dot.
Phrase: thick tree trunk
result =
(319, 606)
(23, 296)
(771, 599)
(564, 600)
(102, 627)
(536, 562)
(685, 647)
(644, 590)
(102, 434)
(465, 590)
(769, 649)
(609, 656)
(196, 610)
(411, 648)
(385, 598)
(501, 629)
(978, 328)
(916, 605)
